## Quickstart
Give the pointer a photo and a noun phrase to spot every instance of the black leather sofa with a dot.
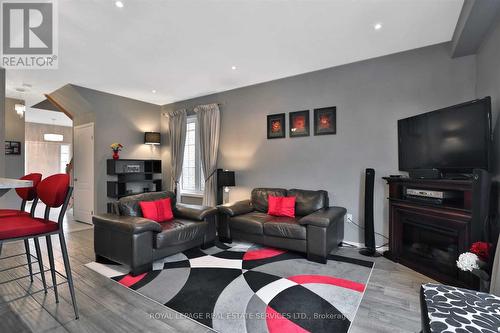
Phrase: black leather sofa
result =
(316, 230)
(129, 239)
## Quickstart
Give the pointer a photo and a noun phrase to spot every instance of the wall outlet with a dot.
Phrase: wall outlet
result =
(349, 217)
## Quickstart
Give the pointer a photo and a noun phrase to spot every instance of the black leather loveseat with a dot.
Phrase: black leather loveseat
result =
(129, 239)
(316, 230)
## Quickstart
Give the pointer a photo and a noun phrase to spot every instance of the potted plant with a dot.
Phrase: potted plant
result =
(476, 262)
(116, 147)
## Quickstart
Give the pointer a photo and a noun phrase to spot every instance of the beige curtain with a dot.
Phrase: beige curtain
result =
(495, 272)
(209, 124)
(177, 136)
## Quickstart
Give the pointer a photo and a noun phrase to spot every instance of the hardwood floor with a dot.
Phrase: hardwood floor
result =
(390, 303)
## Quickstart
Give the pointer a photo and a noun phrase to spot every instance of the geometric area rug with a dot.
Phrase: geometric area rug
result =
(244, 287)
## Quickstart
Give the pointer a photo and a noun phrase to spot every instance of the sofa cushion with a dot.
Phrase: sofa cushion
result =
(179, 231)
(158, 210)
(260, 197)
(281, 206)
(251, 223)
(129, 206)
(285, 227)
(307, 202)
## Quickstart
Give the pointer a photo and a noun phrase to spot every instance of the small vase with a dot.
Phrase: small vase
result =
(116, 155)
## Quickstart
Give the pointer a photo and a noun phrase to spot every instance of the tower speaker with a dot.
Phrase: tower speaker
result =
(369, 249)
(481, 190)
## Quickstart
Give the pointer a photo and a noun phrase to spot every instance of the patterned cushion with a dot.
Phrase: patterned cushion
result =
(451, 309)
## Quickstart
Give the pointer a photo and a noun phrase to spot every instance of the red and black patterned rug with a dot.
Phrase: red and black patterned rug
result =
(243, 287)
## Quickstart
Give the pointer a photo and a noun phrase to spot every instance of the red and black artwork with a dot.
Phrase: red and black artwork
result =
(276, 126)
(325, 121)
(299, 123)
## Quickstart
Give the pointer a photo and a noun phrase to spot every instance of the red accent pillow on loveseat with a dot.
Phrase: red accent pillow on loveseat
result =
(159, 210)
(281, 206)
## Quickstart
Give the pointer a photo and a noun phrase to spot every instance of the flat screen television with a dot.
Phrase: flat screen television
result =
(455, 139)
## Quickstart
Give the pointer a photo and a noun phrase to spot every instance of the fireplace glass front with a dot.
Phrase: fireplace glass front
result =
(430, 245)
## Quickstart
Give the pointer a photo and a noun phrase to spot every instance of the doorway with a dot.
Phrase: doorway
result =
(48, 149)
(83, 173)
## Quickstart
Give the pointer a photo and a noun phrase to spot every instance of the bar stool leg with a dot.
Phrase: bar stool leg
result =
(52, 266)
(40, 263)
(68, 271)
(28, 257)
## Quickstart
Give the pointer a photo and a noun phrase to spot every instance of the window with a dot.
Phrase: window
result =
(192, 179)
(64, 157)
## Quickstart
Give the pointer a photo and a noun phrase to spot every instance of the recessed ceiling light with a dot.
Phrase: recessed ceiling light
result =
(153, 91)
(233, 68)
(377, 26)
(119, 4)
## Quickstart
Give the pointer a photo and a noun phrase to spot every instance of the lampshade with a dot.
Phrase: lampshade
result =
(225, 178)
(152, 138)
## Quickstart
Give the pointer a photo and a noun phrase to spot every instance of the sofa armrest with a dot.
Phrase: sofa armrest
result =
(194, 212)
(127, 224)
(323, 217)
(236, 208)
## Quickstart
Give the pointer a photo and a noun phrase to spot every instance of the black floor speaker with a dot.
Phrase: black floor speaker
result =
(481, 191)
(370, 248)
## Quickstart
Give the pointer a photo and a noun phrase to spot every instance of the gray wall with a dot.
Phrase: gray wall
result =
(488, 79)
(71, 100)
(370, 97)
(2, 126)
(14, 164)
(488, 84)
(116, 119)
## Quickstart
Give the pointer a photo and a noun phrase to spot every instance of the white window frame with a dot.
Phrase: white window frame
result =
(62, 165)
(199, 181)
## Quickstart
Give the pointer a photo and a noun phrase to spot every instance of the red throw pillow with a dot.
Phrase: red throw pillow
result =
(288, 206)
(281, 206)
(159, 210)
(273, 204)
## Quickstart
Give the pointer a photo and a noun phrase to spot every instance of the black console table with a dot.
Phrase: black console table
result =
(133, 177)
(428, 236)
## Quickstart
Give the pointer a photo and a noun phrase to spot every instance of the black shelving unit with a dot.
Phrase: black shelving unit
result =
(133, 177)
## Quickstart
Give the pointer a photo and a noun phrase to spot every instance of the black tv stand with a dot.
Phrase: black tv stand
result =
(428, 237)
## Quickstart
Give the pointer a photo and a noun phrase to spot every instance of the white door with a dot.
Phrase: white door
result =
(83, 173)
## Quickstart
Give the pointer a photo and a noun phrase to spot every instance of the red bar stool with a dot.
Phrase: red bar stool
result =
(27, 194)
(54, 192)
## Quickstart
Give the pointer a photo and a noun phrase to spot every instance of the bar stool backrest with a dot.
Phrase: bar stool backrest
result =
(54, 191)
(29, 193)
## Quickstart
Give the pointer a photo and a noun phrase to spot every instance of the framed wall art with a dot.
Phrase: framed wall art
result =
(325, 121)
(276, 127)
(12, 148)
(299, 123)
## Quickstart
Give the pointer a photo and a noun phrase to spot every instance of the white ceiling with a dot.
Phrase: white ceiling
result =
(186, 48)
(47, 117)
